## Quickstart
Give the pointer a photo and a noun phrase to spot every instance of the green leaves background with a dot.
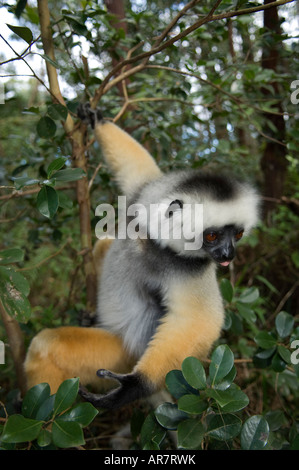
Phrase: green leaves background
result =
(207, 409)
(50, 421)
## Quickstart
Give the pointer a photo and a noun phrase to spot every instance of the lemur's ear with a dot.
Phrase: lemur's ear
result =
(173, 207)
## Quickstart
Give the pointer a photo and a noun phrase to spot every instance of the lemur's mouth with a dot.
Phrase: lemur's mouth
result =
(225, 263)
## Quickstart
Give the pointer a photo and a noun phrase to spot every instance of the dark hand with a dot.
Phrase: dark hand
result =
(88, 115)
(132, 387)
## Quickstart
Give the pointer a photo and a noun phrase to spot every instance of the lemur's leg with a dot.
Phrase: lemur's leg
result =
(57, 354)
(191, 326)
(129, 161)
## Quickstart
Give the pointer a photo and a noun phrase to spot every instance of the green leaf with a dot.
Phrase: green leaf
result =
(265, 353)
(20, 429)
(177, 385)
(227, 380)
(21, 5)
(284, 323)
(46, 127)
(57, 111)
(70, 174)
(34, 398)
(222, 361)
(246, 312)
(44, 438)
(55, 166)
(151, 431)
(47, 201)
(22, 32)
(230, 400)
(249, 295)
(12, 255)
(46, 409)
(22, 181)
(284, 353)
(67, 434)
(265, 340)
(278, 364)
(276, 419)
(66, 395)
(193, 404)
(49, 60)
(168, 415)
(254, 434)
(194, 373)
(16, 279)
(14, 289)
(224, 427)
(137, 421)
(190, 434)
(151, 445)
(83, 413)
(227, 290)
(64, 201)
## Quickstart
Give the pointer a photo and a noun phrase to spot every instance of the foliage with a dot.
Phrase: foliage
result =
(206, 100)
(48, 421)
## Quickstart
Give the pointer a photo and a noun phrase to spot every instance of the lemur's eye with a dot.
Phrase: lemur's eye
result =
(239, 235)
(173, 206)
(211, 237)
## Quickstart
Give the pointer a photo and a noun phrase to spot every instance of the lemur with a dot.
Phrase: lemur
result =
(158, 296)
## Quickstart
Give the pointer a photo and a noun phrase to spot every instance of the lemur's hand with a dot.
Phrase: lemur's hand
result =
(88, 115)
(132, 387)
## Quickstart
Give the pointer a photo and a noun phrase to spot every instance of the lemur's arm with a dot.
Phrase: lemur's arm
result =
(129, 161)
(191, 326)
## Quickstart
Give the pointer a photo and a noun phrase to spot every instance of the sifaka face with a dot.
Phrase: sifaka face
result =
(220, 243)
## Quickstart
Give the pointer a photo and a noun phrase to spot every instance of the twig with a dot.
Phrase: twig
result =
(19, 57)
(36, 266)
(21, 193)
(285, 298)
(93, 176)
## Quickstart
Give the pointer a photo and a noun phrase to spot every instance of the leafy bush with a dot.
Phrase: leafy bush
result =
(211, 412)
(49, 421)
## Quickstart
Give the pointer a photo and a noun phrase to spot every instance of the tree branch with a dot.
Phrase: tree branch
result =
(77, 136)
(108, 82)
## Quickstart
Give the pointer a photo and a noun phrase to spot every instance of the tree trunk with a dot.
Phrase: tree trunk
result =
(117, 8)
(273, 163)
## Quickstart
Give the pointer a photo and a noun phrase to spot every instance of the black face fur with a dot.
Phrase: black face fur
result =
(220, 243)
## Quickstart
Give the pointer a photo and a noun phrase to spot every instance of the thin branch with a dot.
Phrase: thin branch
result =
(237, 100)
(171, 25)
(107, 84)
(29, 192)
(91, 181)
(285, 298)
(36, 266)
(145, 100)
(19, 57)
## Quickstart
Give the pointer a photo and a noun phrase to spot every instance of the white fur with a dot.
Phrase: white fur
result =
(242, 211)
